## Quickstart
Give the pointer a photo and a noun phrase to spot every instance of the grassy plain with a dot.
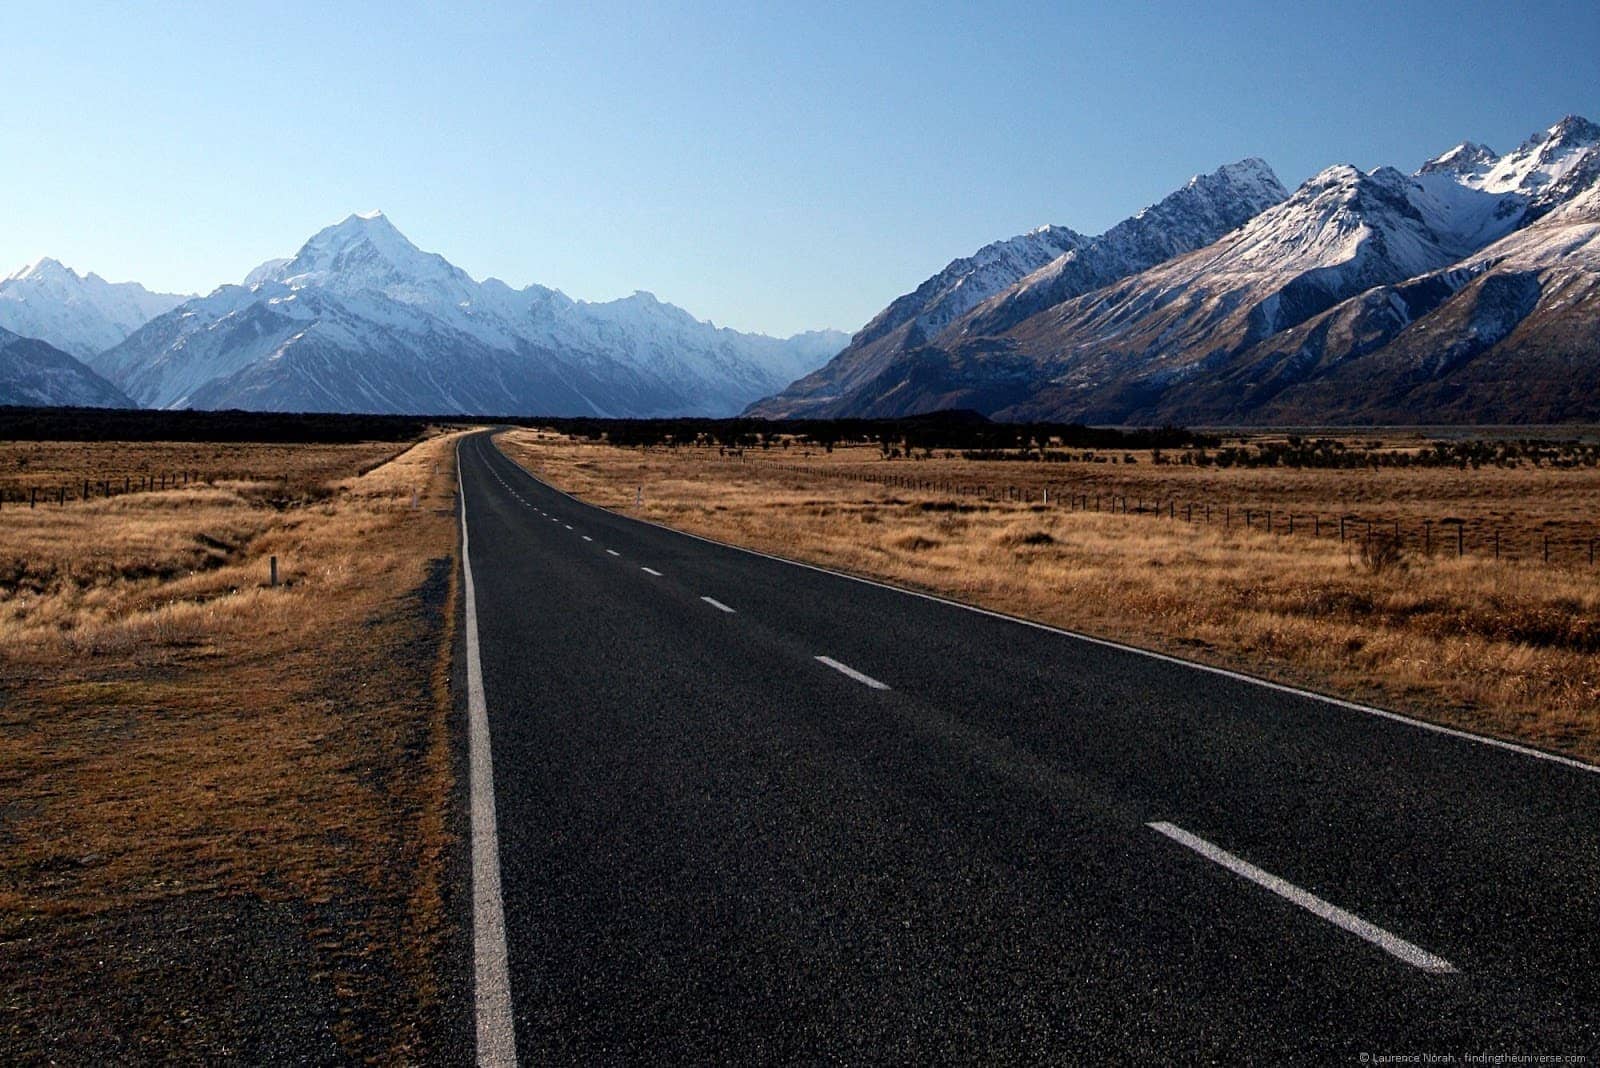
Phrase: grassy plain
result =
(189, 757)
(1506, 648)
(52, 466)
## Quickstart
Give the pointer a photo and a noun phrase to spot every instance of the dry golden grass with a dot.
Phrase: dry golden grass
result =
(52, 466)
(1505, 649)
(173, 730)
(1523, 503)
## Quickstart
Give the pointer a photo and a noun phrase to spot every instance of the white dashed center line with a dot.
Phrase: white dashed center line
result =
(651, 571)
(613, 552)
(587, 538)
(845, 669)
(1413, 955)
(567, 525)
(718, 605)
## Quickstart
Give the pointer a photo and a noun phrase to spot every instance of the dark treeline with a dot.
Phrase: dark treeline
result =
(1331, 453)
(963, 430)
(970, 433)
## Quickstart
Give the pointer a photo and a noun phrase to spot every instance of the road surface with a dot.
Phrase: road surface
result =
(753, 811)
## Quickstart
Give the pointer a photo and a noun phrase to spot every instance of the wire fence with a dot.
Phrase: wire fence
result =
(1458, 537)
(88, 489)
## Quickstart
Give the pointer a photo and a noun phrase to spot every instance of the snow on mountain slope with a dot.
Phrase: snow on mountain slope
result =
(1542, 160)
(914, 317)
(1207, 207)
(360, 319)
(33, 372)
(1510, 332)
(1392, 291)
(1204, 209)
(1118, 354)
(1459, 329)
(79, 314)
(967, 282)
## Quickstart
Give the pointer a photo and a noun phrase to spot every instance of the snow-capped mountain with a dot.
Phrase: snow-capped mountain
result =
(1202, 210)
(360, 319)
(79, 314)
(1509, 333)
(35, 373)
(967, 282)
(910, 320)
(1208, 206)
(1363, 295)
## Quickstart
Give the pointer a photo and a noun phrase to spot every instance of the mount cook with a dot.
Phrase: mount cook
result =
(361, 320)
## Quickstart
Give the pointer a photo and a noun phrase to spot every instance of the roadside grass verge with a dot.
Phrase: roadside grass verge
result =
(178, 736)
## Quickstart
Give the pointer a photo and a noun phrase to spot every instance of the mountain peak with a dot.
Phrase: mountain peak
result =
(1251, 168)
(357, 225)
(1572, 130)
(81, 314)
(44, 267)
(1540, 161)
(1466, 158)
(365, 252)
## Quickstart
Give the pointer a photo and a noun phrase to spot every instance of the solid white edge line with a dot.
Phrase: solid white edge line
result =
(1394, 945)
(847, 670)
(496, 1034)
(651, 571)
(1107, 643)
(714, 603)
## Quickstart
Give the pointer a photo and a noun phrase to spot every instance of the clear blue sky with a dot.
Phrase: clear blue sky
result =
(768, 166)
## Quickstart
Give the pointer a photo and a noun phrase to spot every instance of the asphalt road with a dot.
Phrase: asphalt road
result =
(961, 838)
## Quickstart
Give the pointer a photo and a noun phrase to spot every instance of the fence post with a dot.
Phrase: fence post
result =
(1427, 537)
(1461, 540)
(273, 567)
(33, 495)
(1341, 530)
(1291, 522)
(1497, 543)
(1547, 547)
